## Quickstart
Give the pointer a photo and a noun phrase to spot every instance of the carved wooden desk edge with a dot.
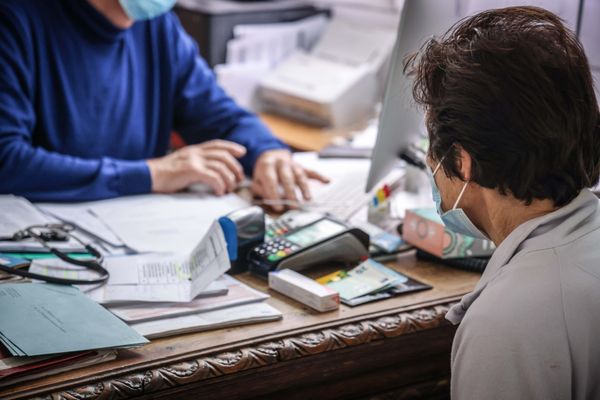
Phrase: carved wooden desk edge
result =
(266, 353)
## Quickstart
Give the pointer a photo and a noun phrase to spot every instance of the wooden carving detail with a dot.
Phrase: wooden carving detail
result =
(264, 354)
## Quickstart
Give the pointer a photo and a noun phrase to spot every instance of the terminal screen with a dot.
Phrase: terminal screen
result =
(316, 232)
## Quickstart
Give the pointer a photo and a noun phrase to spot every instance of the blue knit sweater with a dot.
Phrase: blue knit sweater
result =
(83, 103)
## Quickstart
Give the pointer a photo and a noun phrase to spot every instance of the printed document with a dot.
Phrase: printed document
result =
(164, 223)
(153, 277)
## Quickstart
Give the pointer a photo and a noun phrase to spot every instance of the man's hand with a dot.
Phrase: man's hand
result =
(276, 168)
(213, 163)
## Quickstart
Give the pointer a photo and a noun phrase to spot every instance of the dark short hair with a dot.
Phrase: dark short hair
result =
(513, 88)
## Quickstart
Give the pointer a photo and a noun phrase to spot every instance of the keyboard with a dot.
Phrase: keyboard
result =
(343, 197)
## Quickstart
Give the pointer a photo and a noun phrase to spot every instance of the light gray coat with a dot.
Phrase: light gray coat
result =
(531, 327)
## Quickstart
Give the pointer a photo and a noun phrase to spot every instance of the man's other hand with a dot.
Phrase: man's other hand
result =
(275, 169)
(213, 163)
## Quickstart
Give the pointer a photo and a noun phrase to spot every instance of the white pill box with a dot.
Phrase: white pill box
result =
(304, 290)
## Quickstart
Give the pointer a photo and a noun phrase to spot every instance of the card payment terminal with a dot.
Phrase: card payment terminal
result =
(321, 241)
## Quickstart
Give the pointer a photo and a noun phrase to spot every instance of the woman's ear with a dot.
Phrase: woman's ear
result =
(464, 163)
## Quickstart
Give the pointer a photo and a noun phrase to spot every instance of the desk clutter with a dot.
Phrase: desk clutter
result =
(179, 287)
(55, 326)
(168, 269)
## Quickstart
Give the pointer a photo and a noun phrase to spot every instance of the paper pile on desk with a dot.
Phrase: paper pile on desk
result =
(225, 302)
(127, 225)
(18, 214)
(255, 49)
(236, 294)
(148, 223)
(153, 277)
(178, 271)
(40, 319)
(240, 305)
(231, 316)
(19, 369)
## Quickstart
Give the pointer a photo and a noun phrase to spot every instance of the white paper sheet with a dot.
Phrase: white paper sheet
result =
(164, 223)
(249, 313)
(164, 278)
(80, 215)
(119, 285)
(241, 80)
(238, 293)
(273, 43)
(18, 213)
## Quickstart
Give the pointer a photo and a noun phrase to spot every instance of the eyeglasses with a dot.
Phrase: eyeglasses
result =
(43, 234)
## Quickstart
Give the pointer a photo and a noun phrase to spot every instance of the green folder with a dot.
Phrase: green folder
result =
(42, 318)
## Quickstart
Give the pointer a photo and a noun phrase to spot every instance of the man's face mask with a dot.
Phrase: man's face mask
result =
(139, 10)
(455, 219)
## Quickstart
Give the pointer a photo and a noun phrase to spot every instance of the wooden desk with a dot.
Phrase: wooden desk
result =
(300, 136)
(391, 349)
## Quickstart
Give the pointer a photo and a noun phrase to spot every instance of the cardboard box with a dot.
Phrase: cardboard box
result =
(423, 228)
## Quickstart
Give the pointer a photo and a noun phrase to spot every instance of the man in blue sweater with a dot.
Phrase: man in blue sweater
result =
(90, 91)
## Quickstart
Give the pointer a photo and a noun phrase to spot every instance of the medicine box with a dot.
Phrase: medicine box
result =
(424, 229)
(304, 290)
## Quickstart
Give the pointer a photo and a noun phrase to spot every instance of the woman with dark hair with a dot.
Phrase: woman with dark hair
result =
(514, 131)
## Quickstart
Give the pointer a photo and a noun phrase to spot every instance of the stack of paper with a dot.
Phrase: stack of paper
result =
(166, 255)
(19, 369)
(164, 223)
(237, 294)
(18, 214)
(156, 310)
(256, 49)
(153, 277)
(231, 316)
(149, 223)
(41, 319)
(126, 275)
(81, 215)
(239, 305)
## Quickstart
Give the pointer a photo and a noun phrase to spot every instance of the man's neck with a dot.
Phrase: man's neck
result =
(113, 11)
(505, 214)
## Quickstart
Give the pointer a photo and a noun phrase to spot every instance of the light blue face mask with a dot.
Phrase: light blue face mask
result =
(139, 10)
(455, 219)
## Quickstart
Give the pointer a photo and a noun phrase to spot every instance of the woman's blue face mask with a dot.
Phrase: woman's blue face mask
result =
(455, 219)
(139, 10)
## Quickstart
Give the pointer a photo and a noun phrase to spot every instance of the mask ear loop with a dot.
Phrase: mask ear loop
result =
(460, 195)
(462, 190)
(439, 165)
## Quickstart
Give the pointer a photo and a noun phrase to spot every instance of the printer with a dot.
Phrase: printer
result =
(337, 83)
(211, 22)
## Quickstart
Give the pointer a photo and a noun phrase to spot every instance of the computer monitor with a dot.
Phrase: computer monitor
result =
(401, 122)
